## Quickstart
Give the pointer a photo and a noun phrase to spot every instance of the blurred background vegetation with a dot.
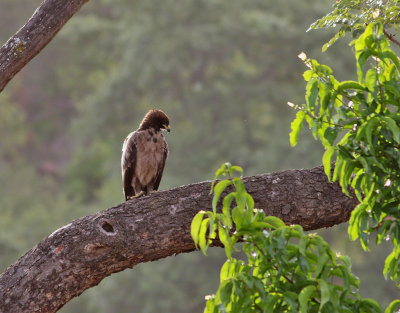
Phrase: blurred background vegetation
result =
(223, 72)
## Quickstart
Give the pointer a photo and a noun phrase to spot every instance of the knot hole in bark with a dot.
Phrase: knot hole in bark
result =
(107, 227)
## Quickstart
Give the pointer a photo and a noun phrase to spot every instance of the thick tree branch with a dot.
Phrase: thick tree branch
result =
(44, 24)
(82, 253)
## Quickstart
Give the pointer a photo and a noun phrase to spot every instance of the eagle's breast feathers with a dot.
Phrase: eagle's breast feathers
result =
(150, 147)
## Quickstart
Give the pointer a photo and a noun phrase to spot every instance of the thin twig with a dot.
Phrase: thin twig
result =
(391, 37)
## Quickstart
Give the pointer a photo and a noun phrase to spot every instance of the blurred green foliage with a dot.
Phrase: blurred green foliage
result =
(222, 71)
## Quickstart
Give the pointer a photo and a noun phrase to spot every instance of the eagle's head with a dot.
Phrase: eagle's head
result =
(156, 119)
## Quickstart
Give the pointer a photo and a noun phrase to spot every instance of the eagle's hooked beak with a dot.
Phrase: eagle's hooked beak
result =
(166, 127)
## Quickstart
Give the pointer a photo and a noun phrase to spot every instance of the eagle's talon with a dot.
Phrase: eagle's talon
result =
(136, 196)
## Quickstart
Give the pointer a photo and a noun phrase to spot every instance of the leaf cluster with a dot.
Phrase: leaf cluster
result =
(285, 270)
(352, 16)
(358, 123)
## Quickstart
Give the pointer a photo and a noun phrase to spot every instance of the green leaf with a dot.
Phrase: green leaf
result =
(304, 296)
(221, 171)
(269, 304)
(312, 94)
(225, 291)
(330, 135)
(212, 226)
(344, 152)
(345, 176)
(358, 180)
(338, 167)
(259, 287)
(391, 263)
(195, 227)
(327, 160)
(369, 305)
(345, 259)
(308, 75)
(235, 168)
(361, 60)
(218, 189)
(296, 126)
(393, 127)
(210, 306)
(363, 229)
(274, 222)
(323, 259)
(203, 241)
(324, 96)
(371, 79)
(303, 245)
(226, 206)
(393, 57)
(350, 84)
(340, 34)
(226, 241)
(364, 164)
(393, 306)
(354, 228)
(239, 186)
(383, 230)
(371, 126)
(291, 299)
(228, 270)
(237, 216)
(325, 292)
(249, 201)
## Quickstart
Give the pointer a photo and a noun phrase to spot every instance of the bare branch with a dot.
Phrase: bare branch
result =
(79, 255)
(391, 37)
(44, 24)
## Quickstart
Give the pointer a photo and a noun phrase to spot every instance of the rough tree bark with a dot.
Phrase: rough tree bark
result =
(44, 24)
(82, 253)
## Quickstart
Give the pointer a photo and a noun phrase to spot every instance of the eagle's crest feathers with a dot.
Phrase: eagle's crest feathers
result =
(156, 119)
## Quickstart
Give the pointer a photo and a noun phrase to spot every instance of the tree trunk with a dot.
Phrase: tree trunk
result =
(44, 24)
(79, 255)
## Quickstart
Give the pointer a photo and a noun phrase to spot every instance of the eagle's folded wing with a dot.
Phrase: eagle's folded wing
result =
(128, 164)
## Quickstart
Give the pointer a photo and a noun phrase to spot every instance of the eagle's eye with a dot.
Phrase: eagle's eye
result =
(166, 127)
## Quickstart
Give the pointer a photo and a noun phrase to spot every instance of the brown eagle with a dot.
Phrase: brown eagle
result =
(144, 154)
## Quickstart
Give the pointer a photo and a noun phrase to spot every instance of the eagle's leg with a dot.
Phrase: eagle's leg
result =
(149, 189)
(136, 196)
